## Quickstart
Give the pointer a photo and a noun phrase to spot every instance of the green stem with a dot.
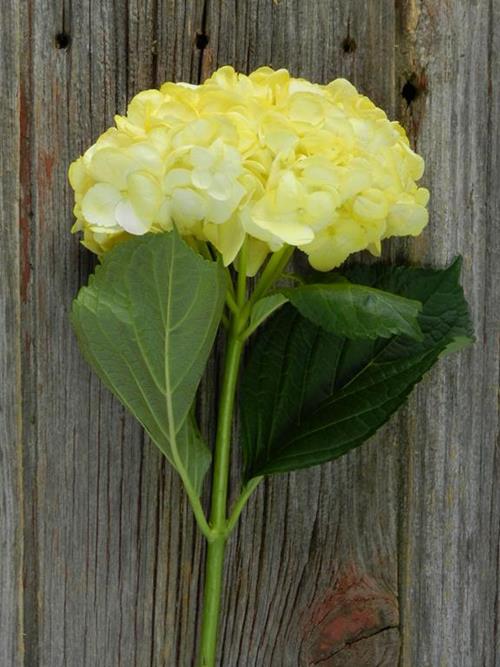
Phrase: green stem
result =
(198, 512)
(231, 303)
(241, 502)
(214, 569)
(220, 526)
(223, 439)
(216, 547)
(272, 272)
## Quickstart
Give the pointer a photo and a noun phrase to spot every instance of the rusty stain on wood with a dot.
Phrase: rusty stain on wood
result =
(357, 608)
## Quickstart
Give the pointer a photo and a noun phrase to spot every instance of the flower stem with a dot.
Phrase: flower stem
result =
(220, 525)
(272, 272)
(216, 547)
(211, 601)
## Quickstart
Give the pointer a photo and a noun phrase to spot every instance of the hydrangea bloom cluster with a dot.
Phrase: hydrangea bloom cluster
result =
(265, 159)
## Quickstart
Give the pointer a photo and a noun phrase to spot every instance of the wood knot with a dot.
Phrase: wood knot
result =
(351, 622)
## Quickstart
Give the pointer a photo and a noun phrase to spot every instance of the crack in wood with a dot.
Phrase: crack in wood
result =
(351, 642)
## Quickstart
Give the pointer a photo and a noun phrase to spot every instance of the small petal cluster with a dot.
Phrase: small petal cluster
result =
(265, 159)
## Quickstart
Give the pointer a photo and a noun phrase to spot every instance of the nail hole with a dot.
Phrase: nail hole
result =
(201, 41)
(409, 91)
(62, 40)
(349, 45)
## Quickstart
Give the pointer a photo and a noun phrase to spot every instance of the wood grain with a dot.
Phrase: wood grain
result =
(387, 557)
(12, 265)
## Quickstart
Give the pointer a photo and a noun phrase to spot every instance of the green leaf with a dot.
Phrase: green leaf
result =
(146, 324)
(262, 309)
(356, 311)
(309, 396)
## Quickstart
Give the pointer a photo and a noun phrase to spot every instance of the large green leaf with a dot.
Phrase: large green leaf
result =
(356, 311)
(146, 324)
(309, 396)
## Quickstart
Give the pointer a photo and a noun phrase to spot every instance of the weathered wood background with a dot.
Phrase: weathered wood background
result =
(388, 557)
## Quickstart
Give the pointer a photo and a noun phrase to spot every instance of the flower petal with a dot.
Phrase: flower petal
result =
(202, 158)
(176, 178)
(145, 194)
(188, 206)
(99, 203)
(128, 220)
(227, 238)
(286, 228)
(111, 165)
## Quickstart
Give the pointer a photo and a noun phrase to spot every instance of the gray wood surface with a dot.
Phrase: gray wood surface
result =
(388, 557)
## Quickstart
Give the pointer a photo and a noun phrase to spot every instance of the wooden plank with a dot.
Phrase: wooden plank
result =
(312, 539)
(434, 559)
(13, 268)
(389, 555)
(109, 535)
(450, 520)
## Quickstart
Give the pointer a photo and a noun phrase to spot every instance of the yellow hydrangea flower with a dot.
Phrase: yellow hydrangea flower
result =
(264, 159)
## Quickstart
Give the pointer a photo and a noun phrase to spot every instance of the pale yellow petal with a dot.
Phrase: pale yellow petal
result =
(257, 251)
(371, 205)
(146, 157)
(79, 177)
(144, 193)
(177, 178)
(111, 165)
(407, 218)
(287, 228)
(227, 238)
(188, 206)
(202, 178)
(202, 158)
(99, 203)
(129, 220)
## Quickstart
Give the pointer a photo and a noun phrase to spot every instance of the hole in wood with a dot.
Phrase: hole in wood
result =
(62, 40)
(201, 41)
(410, 91)
(349, 45)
